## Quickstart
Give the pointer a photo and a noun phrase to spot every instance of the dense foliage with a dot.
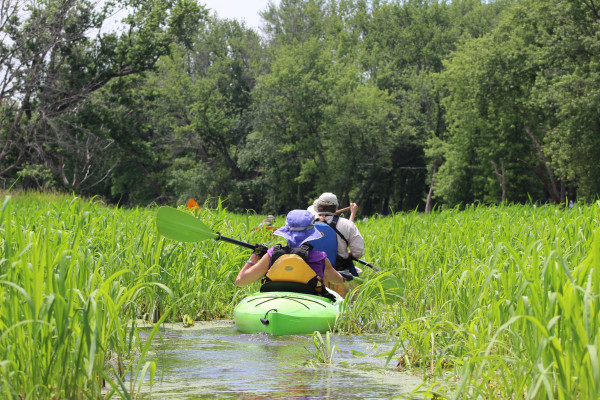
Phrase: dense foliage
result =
(396, 105)
(488, 302)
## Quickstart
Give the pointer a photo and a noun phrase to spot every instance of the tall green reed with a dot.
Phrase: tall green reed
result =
(65, 325)
(74, 277)
(505, 298)
(324, 349)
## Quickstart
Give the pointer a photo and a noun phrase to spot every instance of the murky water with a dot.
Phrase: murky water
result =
(215, 360)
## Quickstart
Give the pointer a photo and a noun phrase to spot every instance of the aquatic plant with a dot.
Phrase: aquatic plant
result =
(66, 323)
(324, 350)
(505, 298)
(485, 302)
(74, 277)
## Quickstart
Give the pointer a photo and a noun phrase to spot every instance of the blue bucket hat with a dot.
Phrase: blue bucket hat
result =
(299, 228)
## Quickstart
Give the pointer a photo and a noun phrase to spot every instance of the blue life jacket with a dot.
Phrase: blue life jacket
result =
(327, 243)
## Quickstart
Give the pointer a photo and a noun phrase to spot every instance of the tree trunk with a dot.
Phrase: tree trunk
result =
(501, 178)
(540, 173)
(550, 182)
(429, 203)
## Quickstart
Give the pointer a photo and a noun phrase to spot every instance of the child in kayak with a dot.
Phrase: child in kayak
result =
(296, 265)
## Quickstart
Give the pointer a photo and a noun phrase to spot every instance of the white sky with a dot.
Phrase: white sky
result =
(242, 10)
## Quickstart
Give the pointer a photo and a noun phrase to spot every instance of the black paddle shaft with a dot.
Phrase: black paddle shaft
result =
(253, 247)
(368, 265)
(233, 241)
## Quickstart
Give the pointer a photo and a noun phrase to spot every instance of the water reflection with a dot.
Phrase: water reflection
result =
(214, 360)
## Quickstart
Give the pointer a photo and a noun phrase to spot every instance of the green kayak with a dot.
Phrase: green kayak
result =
(286, 313)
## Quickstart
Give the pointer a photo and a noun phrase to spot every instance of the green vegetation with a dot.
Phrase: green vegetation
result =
(505, 298)
(74, 277)
(396, 105)
(324, 351)
(486, 302)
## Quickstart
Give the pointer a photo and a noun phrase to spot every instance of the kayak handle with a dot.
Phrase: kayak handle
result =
(264, 320)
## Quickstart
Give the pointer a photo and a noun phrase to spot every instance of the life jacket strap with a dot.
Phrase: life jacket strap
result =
(340, 262)
(333, 226)
(302, 251)
(290, 268)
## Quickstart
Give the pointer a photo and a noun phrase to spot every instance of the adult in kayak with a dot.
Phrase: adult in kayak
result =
(295, 267)
(267, 222)
(350, 243)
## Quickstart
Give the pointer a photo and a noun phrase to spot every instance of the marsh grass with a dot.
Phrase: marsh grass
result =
(324, 348)
(486, 302)
(66, 311)
(75, 274)
(504, 298)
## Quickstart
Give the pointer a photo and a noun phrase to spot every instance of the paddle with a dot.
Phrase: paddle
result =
(185, 227)
(342, 210)
(368, 264)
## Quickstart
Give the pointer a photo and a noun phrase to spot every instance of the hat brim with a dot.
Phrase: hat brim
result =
(297, 238)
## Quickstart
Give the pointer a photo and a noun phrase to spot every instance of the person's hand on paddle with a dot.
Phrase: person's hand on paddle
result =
(346, 275)
(255, 267)
(260, 249)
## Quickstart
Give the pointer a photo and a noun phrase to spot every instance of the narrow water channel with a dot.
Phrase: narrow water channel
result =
(215, 360)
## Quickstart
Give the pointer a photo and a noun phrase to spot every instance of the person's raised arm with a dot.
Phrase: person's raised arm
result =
(353, 211)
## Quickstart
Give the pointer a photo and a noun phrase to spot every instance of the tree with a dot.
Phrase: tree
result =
(288, 109)
(404, 46)
(318, 127)
(357, 143)
(488, 82)
(294, 21)
(204, 112)
(54, 54)
(566, 90)
(179, 129)
(525, 93)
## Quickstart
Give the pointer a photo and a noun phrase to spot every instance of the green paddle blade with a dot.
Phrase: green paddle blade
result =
(182, 226)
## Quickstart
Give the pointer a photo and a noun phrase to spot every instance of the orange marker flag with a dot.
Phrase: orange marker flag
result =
(192, 205)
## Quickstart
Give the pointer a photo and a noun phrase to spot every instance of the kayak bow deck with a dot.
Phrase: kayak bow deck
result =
(286, 313)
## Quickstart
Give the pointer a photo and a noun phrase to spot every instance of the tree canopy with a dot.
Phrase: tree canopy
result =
(394, 105)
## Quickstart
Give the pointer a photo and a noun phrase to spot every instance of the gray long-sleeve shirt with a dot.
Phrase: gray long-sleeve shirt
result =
(356, 243)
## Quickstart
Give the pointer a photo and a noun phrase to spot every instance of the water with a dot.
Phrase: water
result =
(215, 360)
